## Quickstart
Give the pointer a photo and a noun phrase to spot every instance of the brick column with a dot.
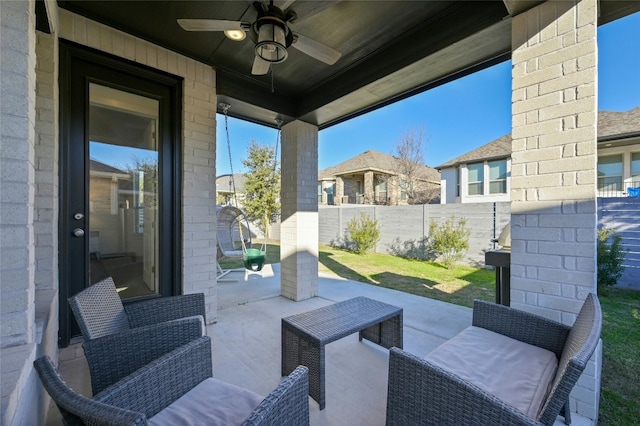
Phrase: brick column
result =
(339, 191)
(299, 227)
(553, 191)
(17, 180)
(368, 188)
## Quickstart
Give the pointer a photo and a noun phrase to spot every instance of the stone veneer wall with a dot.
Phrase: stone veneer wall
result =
(553, 194)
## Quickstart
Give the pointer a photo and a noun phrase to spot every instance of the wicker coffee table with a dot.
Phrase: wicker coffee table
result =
(305, 335)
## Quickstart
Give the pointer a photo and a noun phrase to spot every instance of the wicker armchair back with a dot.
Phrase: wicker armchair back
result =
(100, 312)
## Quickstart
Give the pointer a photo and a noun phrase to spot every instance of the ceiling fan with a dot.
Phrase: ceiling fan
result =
(271, 34)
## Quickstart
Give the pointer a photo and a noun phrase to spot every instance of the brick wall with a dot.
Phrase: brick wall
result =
(17, 163)
(199, 126)
(46, 163)
(553, 200)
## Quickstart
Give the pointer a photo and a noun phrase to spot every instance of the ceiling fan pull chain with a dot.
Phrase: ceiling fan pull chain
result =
(272, 88)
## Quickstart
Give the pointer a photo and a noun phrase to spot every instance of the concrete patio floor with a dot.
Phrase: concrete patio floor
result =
(246, 344)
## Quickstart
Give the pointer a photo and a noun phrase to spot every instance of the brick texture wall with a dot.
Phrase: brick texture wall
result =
(299, 226)
(553, 200)
(17, 166)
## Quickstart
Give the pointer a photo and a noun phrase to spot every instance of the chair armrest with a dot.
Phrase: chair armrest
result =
(288, 404)
(162, 309)
(161, 382)
(421, 393)
(115, 356)
(78, 408)
(523, 326)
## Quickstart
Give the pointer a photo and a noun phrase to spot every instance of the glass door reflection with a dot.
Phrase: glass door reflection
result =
(123, 190)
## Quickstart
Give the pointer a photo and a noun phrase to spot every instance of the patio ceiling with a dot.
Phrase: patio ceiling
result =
(389, 49)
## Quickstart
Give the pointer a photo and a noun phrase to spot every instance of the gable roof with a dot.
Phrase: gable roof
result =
(611, 125)
(376, 161)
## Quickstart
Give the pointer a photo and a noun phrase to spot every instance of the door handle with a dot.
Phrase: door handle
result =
(78, 232)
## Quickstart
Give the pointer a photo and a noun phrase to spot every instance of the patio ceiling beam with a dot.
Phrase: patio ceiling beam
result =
(516, 7)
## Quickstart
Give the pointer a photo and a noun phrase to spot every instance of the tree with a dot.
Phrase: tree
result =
(409, 167)
(261, 186)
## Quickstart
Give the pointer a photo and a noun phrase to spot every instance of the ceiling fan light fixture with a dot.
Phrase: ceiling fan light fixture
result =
(235, 35)
(272, 38)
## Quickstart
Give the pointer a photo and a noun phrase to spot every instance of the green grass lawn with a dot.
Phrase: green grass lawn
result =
(620, 392)
(459, 286)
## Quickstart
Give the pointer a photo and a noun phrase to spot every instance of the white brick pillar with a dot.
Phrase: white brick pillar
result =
(299, 228)
(17, 167)
(553, 191)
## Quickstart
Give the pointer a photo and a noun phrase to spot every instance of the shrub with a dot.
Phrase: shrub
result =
(363, 234)
(610, 257)
(449, 241)
(411, 249)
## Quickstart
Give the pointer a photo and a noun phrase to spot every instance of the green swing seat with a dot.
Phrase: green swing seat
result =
(254, 259)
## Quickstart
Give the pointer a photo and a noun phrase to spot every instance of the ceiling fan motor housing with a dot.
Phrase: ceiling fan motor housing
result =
(271, 35)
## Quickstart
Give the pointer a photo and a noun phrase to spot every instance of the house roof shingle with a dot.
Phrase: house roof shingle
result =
(499, 148)
(375, 161)
(611, 125)
(618, 124)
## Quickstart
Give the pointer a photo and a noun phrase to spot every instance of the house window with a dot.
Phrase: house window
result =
(381, 192)
(635, 169)
(610, 174)
(403, 190)
(498, 177)
(476, 178)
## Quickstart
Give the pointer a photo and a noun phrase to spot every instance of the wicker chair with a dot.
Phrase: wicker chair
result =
(176, 386)
(100, 312)
(421, 392)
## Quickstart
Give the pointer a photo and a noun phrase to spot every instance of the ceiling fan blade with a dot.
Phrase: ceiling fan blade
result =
(212, 25)
(315, 49)
(260, 66)
(285, 4)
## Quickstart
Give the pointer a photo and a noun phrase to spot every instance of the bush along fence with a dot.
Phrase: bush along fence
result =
(622, 216)
(405, 229)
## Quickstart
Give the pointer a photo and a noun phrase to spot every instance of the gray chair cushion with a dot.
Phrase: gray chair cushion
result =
(211, 402)
(518, 373)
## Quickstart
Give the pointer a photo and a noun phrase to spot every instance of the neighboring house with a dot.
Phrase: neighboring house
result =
(375, 178)
(484, 174)
(225, 188)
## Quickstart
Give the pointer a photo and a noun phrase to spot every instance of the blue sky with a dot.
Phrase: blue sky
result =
(457, 117)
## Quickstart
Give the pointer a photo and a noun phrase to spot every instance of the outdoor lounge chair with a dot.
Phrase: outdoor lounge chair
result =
(100, 312)
(176, 389)
(509, 368)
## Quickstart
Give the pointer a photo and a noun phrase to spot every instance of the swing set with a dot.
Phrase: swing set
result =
(233, 222)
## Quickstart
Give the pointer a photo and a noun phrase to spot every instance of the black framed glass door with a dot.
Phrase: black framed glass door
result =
(120, 169)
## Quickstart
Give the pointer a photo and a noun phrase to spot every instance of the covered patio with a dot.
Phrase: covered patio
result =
(246, 345)
(390, 50)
